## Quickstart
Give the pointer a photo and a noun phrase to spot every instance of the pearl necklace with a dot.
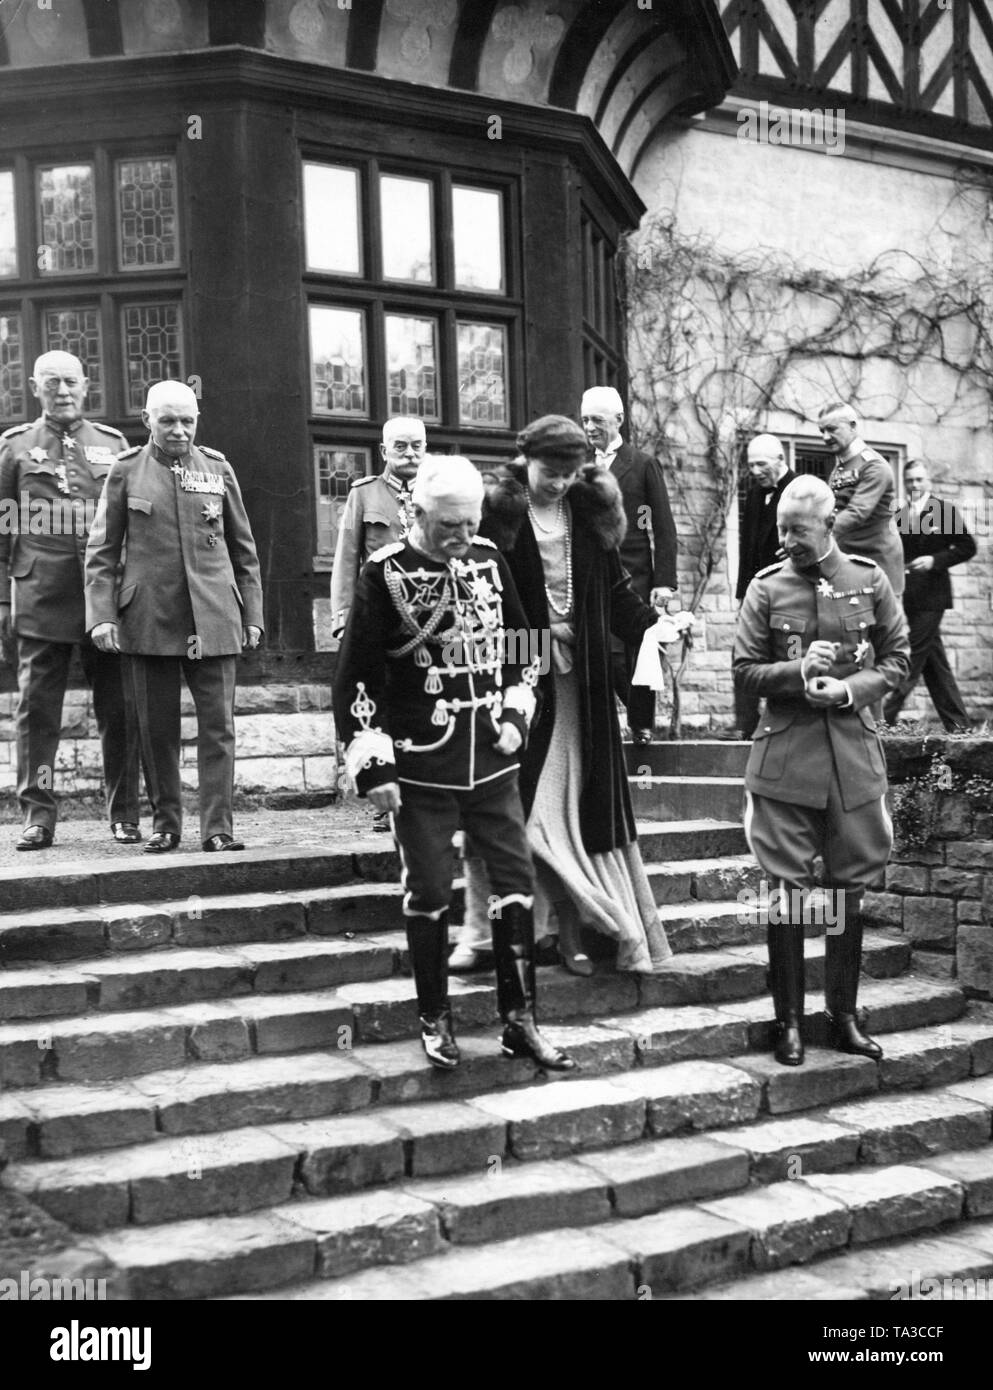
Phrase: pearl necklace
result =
(550, 531)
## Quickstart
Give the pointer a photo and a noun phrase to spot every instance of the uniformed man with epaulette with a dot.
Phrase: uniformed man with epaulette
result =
(864, 491)
(189, 600)
(52, 472)
(822, 636)
(377, 511)
(433, 702)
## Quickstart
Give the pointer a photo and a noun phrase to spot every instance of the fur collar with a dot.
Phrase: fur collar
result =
(595, 500)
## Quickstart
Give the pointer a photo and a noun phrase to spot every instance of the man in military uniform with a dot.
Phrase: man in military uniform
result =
(862, 482)
(51, 474)
(432, 706)
(377, 511)
(188, 601)
(821, 636)
(648, 550)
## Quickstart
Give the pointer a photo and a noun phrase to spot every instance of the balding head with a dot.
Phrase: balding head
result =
(766, 460)
(804, 518)
(403, 447)
(171, 413)
(59, 383)
(601, 411)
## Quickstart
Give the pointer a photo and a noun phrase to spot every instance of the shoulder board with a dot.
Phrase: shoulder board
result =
(367, 478)
(107, 429)
(862, 560)
(385, 551)
(212, 453)
(483, 540)
(17, 429)
(870, 454)
(769, 569)
(130, 453)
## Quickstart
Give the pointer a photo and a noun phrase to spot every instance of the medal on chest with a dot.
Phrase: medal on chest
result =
(191, 481)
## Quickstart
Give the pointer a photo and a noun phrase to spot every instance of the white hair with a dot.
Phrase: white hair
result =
(811, 490)
(171, 393)
(402, 424)
(55, 360)
(599, 398)
(448, 476)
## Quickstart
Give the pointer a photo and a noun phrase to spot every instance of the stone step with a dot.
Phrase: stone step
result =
(692, 839)
(686, 798)
(953, 1263)
(156, 1008)
(688, 758)
(64, 1118)
(240, 1169)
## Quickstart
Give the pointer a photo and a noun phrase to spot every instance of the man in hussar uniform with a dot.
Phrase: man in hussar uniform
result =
(377, 511)
(188, 601)
(821, 636)
(52, 472)
(433, 702)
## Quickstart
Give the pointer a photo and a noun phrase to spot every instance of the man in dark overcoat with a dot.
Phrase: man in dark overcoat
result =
(188, 601)
(934, 538)
(648, 550)
(52, 472)
(822, 636)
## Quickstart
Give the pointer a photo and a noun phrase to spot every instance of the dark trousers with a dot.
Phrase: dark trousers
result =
(929, 659)
(211, 681)
(746, 710)
(638, 700)
(42, 675)
(491, 816)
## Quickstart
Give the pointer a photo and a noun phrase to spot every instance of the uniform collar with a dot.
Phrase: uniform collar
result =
(853, 450)
(62, 430)
(167, 460)
(398, 486)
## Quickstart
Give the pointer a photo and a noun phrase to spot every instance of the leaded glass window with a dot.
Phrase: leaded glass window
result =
(478, 236)
(152, 349)
(412, 366)
(78, 331)
(334, 472)
(146, 213)
(482, 350)
(13, 394)
(67, 220)
(337, 361)
(408, 237)
(8, 229)
(331, 218)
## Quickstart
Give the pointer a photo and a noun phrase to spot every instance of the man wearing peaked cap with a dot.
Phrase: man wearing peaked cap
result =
(188, 601)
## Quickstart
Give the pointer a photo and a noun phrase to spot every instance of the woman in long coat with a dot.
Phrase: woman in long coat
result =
(559, 522)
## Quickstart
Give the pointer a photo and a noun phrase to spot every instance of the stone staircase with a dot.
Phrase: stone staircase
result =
(210, 1087)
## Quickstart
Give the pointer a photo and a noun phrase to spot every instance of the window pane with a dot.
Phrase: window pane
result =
(482, 374)
(331, 218)
(412, 366)
(78, 331)
(477, 225)
(8, 231)
(334, 472)
(146, 209)
(337, 361)
(408, 244)
(66, 219)
(152, 349)
(13, 398)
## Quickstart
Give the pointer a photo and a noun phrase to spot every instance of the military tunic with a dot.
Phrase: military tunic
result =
(816, 777)
(377, 512)
(863, 521)
(51, 478)
(434, 659)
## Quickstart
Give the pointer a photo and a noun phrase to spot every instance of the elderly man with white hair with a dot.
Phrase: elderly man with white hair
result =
(52, 472)
(433, 696)
(648, 551)
(188, 601)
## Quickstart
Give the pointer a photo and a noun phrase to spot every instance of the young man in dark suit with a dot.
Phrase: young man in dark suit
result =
(648, 551)
(934, 538)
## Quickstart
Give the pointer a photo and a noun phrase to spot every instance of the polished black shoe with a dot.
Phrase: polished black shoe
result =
(642, 736)
(438, 1041)
(789, 1044)
(125, 832)
(522, 1039)
(216, 843)
(161, 842)
(35, 837)
(848, 1037)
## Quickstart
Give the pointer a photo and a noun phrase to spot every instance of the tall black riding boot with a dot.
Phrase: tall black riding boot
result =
(427, 941)
(842, 963)
(513, 950)
(785, 941)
